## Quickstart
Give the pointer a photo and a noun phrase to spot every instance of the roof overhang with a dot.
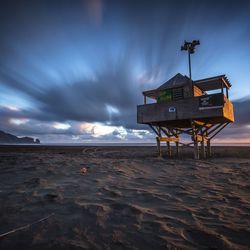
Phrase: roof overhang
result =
(151, 93)
(216, 82)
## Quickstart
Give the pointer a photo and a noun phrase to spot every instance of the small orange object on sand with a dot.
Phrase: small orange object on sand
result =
(83, 170)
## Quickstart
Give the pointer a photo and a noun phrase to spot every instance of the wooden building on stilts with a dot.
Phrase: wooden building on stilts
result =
(200, 109)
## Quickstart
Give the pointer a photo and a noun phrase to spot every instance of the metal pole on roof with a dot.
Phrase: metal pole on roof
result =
(189, 47)
(189, 63)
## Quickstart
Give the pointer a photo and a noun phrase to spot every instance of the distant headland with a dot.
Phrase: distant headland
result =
(9, 138)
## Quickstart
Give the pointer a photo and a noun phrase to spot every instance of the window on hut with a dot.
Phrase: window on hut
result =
(170, 95)
(165, 96)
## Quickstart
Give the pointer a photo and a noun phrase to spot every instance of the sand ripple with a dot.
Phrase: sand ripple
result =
(128, 198)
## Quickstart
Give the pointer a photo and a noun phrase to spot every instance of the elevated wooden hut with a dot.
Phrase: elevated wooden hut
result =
(199, 108)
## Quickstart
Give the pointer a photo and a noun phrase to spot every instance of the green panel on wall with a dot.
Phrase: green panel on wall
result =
(165, 96)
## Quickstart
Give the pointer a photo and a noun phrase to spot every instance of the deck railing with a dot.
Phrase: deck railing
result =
(197, 107)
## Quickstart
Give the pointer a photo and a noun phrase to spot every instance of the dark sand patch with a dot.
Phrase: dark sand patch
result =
(128, 198)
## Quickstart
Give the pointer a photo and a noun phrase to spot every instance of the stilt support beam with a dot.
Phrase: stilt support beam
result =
(201, 134)
(167, 140)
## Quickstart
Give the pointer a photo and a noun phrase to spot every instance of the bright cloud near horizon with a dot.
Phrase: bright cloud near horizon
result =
(73, 71)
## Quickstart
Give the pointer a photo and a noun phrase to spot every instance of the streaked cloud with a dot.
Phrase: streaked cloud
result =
(18, 121)
(12, 108)
(76, 70)
(94, 11)
(59, 125)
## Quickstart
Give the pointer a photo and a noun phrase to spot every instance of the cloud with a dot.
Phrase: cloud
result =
(94, 11)
(16, 122)
(82, 66)
(109, 98)
(62, 126)
(242, 111)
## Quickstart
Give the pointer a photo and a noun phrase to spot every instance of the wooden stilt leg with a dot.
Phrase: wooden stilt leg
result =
(169, 149)
(196, 146)
(208, 148)
(177, 149)
(158, 145)
(196, 150)
(157, 141)
(160, 152)
(206, 145)
(203, 152)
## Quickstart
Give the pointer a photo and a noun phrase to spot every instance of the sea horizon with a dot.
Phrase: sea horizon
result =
(112, 144)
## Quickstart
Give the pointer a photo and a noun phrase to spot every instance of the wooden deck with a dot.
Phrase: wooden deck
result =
(178, 113)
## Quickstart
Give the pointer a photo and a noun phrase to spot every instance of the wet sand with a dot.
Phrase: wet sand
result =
(123, 198)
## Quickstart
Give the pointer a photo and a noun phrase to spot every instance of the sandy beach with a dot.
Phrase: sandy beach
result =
(123, 198)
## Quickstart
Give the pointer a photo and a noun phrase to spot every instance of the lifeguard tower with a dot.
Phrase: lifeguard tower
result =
(200, 109)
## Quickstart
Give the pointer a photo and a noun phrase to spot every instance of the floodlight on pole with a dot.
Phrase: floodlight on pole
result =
(190, 46)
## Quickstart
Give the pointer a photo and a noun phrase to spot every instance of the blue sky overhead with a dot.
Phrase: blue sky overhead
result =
(73, 71)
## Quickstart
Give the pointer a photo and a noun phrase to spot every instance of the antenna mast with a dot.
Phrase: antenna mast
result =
(190, 46)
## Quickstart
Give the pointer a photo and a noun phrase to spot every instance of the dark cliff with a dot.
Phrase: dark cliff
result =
(9, 138)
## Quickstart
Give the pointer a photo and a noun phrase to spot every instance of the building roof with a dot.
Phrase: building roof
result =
(212, 83)
(177, 81)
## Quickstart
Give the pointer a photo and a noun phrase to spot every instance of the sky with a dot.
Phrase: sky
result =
(73, 71)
